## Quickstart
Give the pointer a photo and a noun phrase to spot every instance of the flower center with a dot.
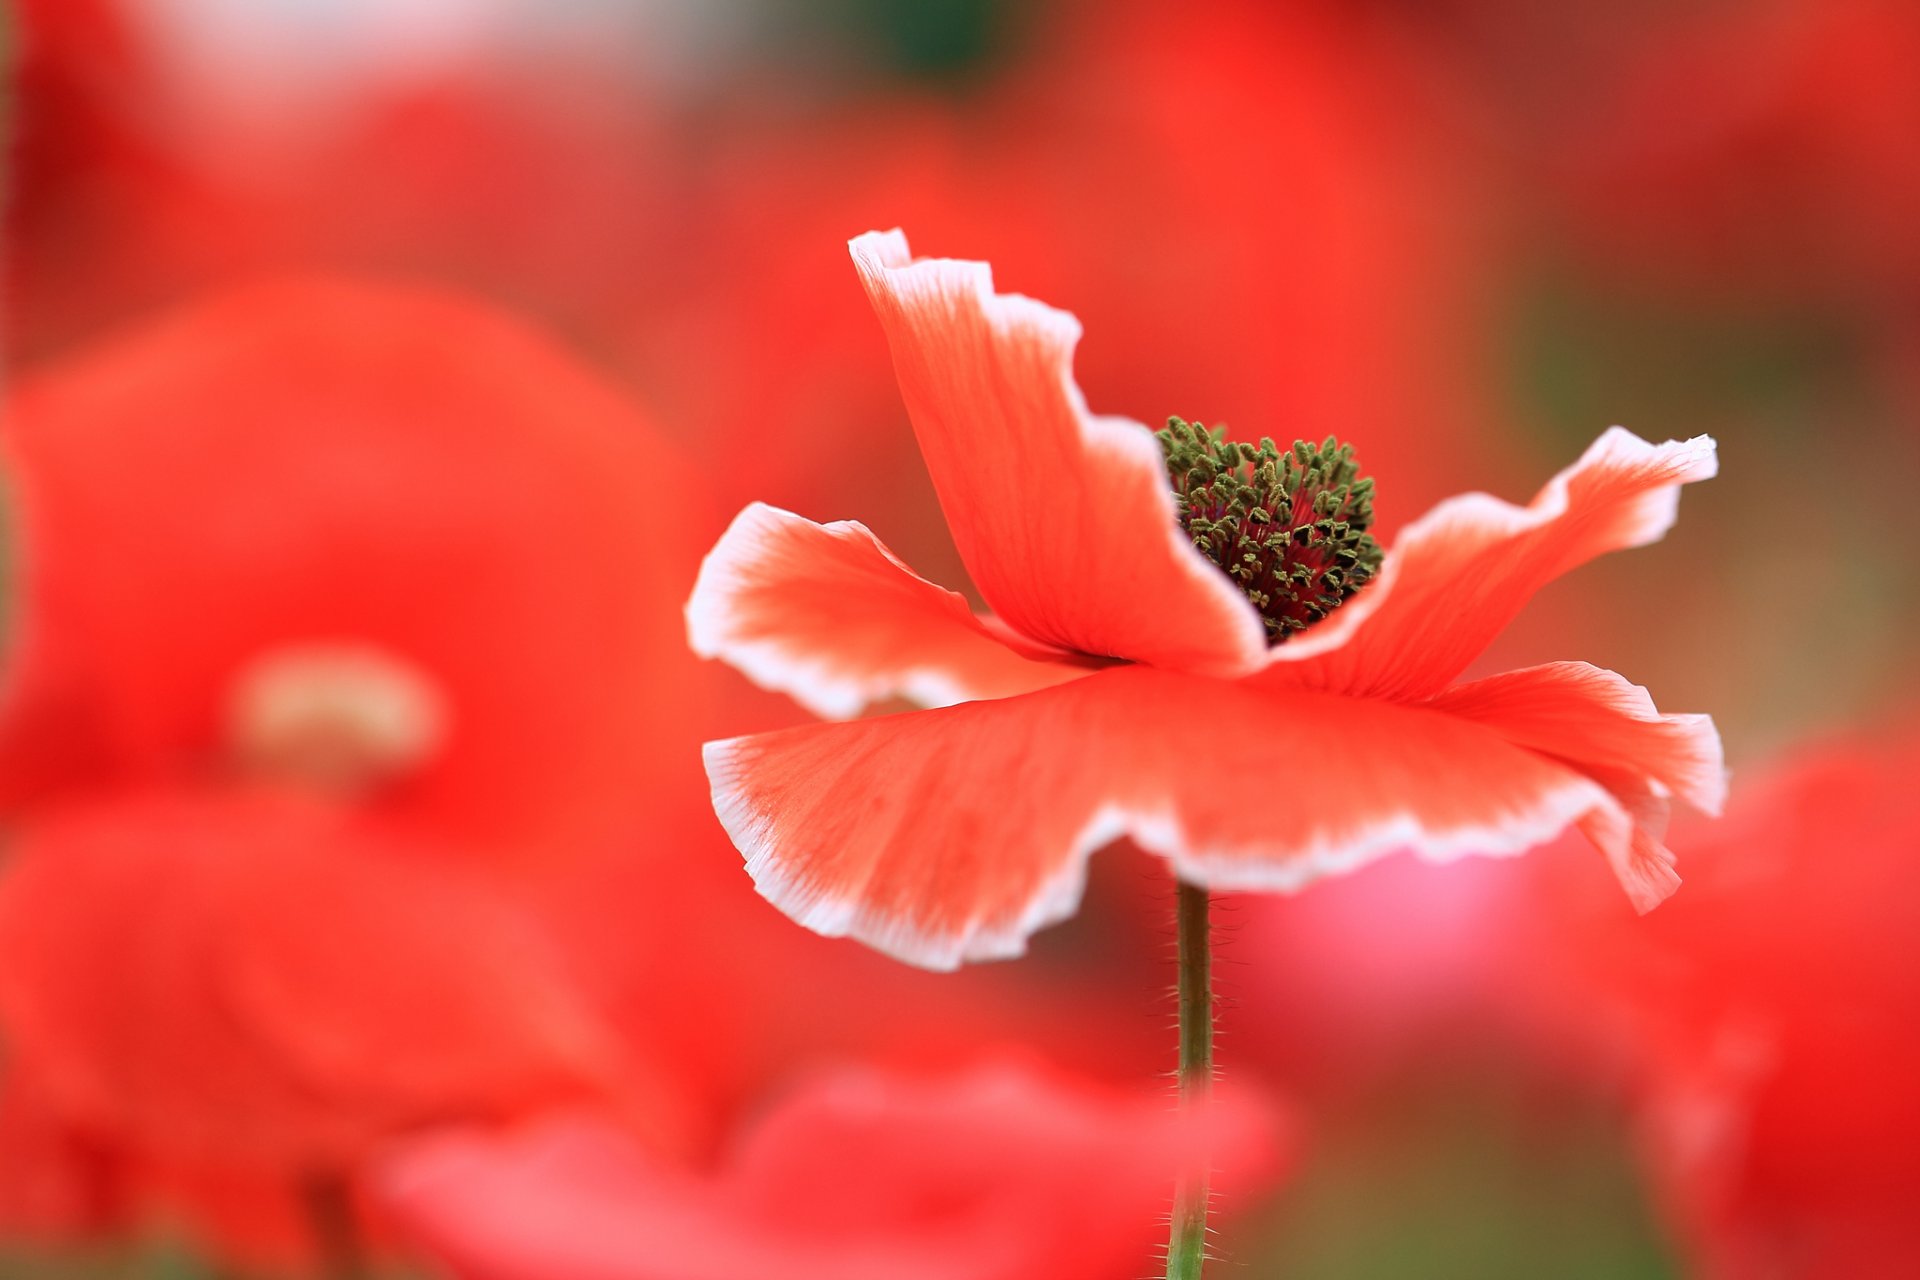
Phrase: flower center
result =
(1289, 527)
(338, 718)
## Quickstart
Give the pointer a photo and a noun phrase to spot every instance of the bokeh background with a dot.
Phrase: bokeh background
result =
(455, 330)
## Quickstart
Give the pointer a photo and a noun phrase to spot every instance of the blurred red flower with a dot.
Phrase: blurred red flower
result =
(1761, 147)
(1773, 1009)
(952, 834)
(343, 611)
(1280, 205)
(310, 491)
(1001, 1173)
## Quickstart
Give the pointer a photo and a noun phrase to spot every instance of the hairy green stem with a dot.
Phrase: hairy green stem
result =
(1187, 1243)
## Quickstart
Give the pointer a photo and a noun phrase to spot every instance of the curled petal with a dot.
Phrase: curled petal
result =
(1631, 838)
(1608, 728)
(827, 614)
(1065, 520)
(1457, 576)
(1594, 718)
(952, 835)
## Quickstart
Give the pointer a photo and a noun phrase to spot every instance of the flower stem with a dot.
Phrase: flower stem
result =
(1187, 1244)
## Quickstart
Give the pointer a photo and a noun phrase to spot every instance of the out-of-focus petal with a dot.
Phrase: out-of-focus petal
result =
(1003, 1173)
(64, 1184)
(1065, 520)
(827, 614)
(1457, 576)
(951, 835)
(262, 978)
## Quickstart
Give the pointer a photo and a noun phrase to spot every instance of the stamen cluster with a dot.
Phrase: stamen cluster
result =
(1290, 527)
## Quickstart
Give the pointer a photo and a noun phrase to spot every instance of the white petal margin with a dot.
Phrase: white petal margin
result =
(844, 917)
(1065, 519)
(942, 842)
(1459, 574)
(831, 617)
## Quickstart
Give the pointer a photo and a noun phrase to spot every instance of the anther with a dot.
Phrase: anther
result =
(1288, 526)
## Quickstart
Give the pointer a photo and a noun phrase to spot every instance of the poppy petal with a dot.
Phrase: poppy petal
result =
(952, 835)
(1458, 575)
(827, 614)
(1065, 520)
(1589, 716)
(1608, 728)
(1631, 836)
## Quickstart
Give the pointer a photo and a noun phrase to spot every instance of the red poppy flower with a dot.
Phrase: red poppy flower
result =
(998, 1174)
(1123, 685)
(1772, 1010)
(341, 615)
(314, 506)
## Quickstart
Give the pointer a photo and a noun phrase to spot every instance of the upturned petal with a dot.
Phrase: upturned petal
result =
(1593, 718)
(952, 835)
(1065, 520)
(827, 614)
(1608, 728)
(1457, 576)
